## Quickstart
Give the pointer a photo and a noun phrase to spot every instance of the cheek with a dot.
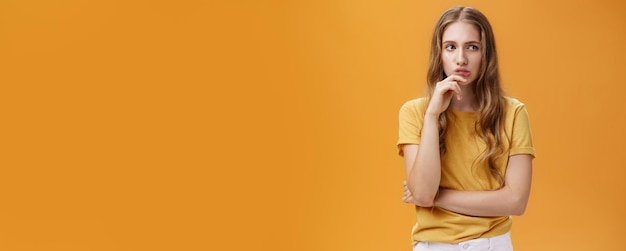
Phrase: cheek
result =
(447, 68)
(447, 57)
(447, 60)
(477, 60)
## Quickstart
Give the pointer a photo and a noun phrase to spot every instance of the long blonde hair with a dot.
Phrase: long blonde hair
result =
(487, 89)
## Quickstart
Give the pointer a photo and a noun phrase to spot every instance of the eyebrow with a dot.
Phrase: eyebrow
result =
(452, 42)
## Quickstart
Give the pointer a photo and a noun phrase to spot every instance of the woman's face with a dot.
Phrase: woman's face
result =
(461, 51)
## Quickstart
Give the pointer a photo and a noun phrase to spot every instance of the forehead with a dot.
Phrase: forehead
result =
(461, 32)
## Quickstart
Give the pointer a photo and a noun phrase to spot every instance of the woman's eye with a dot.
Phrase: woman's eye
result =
(473, 47)
(449, 47)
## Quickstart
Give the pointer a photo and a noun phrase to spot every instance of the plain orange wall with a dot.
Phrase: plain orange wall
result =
(271, 125)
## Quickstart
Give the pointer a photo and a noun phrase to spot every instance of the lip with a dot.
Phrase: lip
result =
(463, 72)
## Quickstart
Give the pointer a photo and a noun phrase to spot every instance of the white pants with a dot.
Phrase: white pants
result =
(496, 243)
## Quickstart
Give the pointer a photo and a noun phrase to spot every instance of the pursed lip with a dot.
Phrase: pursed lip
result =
(462, 72)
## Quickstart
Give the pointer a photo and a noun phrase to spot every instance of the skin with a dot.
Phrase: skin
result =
(461, 56)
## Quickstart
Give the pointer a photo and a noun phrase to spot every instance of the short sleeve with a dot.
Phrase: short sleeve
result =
(411, 120)
(521, 138)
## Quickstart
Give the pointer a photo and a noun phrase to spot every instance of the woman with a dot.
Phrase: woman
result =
(467, 148)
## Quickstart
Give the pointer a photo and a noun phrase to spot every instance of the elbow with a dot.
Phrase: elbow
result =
(518, 206)
(516, 200)
(519, 211)
(424, 200)
(422, 197)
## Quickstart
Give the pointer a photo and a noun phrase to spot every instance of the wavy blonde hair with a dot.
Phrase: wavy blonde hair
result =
(487, 89)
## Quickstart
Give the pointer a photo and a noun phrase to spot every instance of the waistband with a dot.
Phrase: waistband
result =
(502, 241)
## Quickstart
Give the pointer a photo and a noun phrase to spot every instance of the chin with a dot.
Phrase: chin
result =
(469, 82)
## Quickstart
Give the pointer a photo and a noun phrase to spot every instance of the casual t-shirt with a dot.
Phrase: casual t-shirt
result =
(462, 170)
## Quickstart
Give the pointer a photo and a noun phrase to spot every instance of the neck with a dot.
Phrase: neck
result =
(468, 101)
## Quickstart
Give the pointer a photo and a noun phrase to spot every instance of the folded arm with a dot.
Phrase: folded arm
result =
(508, 200)
(423, 165)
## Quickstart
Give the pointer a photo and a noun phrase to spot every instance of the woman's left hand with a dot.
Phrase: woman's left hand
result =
(408, 196)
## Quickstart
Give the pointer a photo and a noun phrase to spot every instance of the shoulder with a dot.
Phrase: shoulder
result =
(415, 105)
(513, 104)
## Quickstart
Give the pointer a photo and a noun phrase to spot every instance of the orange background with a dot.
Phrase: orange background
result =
(271, 125)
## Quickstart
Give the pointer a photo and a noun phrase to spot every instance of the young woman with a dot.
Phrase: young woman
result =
(467, 148)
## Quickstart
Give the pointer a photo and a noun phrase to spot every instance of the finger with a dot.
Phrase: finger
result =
(445, 86)
(407, 199)
(451, 91)
(456, 78)
(453, 86)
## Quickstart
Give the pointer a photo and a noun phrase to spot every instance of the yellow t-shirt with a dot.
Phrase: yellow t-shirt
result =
(460, 169)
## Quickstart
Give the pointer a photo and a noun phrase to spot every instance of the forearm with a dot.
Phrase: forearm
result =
(502, 202)
(425, 175)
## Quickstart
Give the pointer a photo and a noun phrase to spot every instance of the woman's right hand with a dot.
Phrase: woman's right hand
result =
(443, 93)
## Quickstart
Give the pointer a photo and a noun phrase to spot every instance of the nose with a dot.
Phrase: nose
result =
(460, 58)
